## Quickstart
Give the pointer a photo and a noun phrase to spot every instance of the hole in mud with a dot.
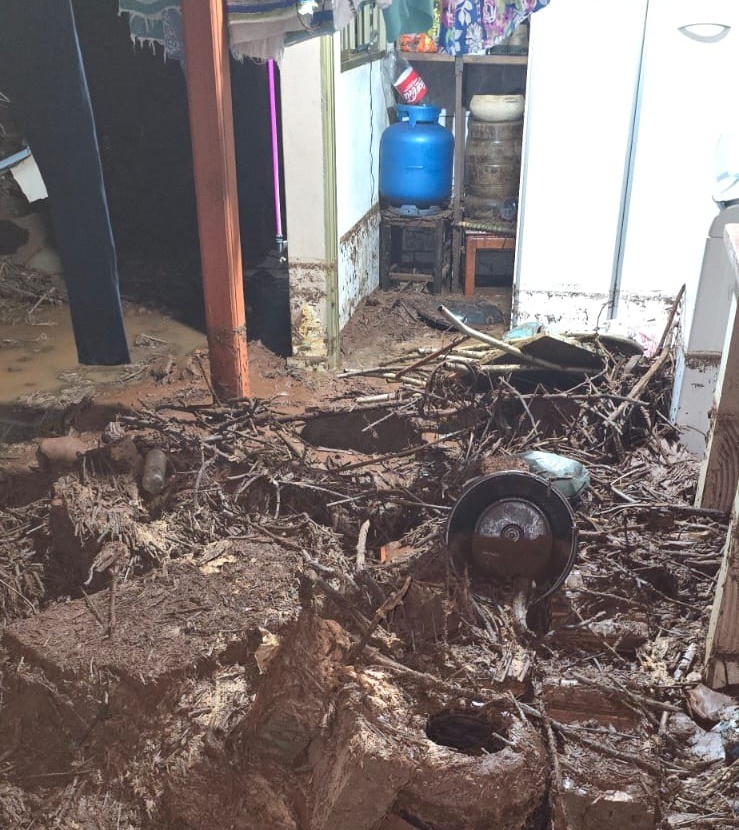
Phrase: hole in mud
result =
(369, 431)
(539, 617)
(466, 732)
(660, 578)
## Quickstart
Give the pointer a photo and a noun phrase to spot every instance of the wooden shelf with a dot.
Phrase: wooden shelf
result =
(500, 60)
(457, 65)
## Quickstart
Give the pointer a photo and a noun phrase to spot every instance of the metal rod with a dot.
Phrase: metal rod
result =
(279, 237)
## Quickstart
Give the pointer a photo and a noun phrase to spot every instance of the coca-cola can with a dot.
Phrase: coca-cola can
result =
(410, 86)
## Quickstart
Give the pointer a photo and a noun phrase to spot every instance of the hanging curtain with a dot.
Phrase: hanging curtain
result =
(257, 28)
(41, 68)
(473, 26)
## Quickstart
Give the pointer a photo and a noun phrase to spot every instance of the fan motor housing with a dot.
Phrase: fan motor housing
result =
(512, 525)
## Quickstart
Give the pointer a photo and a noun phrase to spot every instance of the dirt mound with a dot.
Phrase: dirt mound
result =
(279, 638)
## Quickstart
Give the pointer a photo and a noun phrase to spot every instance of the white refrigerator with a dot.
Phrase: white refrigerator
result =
(626, 100)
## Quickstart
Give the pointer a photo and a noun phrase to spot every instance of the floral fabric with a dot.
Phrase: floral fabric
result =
(473, 26)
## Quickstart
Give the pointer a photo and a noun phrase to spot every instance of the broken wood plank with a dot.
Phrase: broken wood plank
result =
(722, 643)
(569, 701)
(717, 488)
(720, 469)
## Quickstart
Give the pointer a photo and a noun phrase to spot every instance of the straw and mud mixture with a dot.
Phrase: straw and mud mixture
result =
(278, 639)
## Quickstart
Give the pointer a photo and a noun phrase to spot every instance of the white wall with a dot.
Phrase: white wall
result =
(361, 117)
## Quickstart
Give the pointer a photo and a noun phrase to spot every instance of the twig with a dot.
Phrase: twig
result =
(362, 545)
(641, 384)
(556, 790)
(199, 479)
(403, 453)
(206, 378)
(424, 360)
(627, 757)
(623, 691)
(670, 318)
(379, 616)
(93, 610)
(111, 607)
(500, 344)
(520, 397)
(317, 566)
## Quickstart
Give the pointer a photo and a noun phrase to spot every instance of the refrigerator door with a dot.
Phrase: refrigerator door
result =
(691, 61)
(581, 93)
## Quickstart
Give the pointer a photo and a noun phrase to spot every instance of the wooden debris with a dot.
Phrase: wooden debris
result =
(65, 450)
(606, 649)
(571, 701)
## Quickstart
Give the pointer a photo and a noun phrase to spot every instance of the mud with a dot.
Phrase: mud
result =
(367, 431)
(236, 652)
(41, 355)
(218, 706)
(389, 322)
(192, 680)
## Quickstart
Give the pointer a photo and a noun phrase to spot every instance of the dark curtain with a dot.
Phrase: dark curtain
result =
(41, 70)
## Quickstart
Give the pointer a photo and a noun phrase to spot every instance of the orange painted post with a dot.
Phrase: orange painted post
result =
(214, 161)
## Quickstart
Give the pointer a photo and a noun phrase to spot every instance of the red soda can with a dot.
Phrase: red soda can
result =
(410, 86)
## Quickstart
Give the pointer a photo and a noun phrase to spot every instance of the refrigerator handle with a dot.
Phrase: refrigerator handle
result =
(705, 32)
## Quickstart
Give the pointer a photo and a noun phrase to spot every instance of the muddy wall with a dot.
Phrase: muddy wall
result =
(359, 263)
(305, 200)
(361, 117)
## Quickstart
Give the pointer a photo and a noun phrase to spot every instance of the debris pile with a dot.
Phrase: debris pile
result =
(21, 287)
(279, 638)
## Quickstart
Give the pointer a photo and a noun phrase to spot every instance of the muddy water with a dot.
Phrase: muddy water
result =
(40, 356)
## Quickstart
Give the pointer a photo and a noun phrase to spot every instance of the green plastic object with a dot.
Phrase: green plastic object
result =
(568, 477)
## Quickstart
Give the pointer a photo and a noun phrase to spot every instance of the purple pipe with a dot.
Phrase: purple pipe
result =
(275, 149)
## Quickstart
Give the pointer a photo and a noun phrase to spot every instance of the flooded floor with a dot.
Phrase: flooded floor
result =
(38, 355)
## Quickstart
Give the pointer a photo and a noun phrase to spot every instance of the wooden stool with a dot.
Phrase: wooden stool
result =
(474, 241)
(392, 226)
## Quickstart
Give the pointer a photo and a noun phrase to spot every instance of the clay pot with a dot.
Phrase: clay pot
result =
(497, 107)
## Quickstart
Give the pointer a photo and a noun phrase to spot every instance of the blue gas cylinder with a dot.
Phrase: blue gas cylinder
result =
(416, 158)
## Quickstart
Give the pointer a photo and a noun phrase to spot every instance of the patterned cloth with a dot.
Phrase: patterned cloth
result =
(257, 28)
(155, 21)
(473, 26)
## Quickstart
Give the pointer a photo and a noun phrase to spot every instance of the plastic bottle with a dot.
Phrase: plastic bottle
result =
(568, 476)
(155, 468)
(407, 82)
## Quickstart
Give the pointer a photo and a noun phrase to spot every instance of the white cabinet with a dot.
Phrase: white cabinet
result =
(691, 63)
(581, 94)
(626, 100)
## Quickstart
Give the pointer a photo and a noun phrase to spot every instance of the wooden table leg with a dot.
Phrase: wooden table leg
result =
(470, 259)
(439, 235)
(386, 244)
